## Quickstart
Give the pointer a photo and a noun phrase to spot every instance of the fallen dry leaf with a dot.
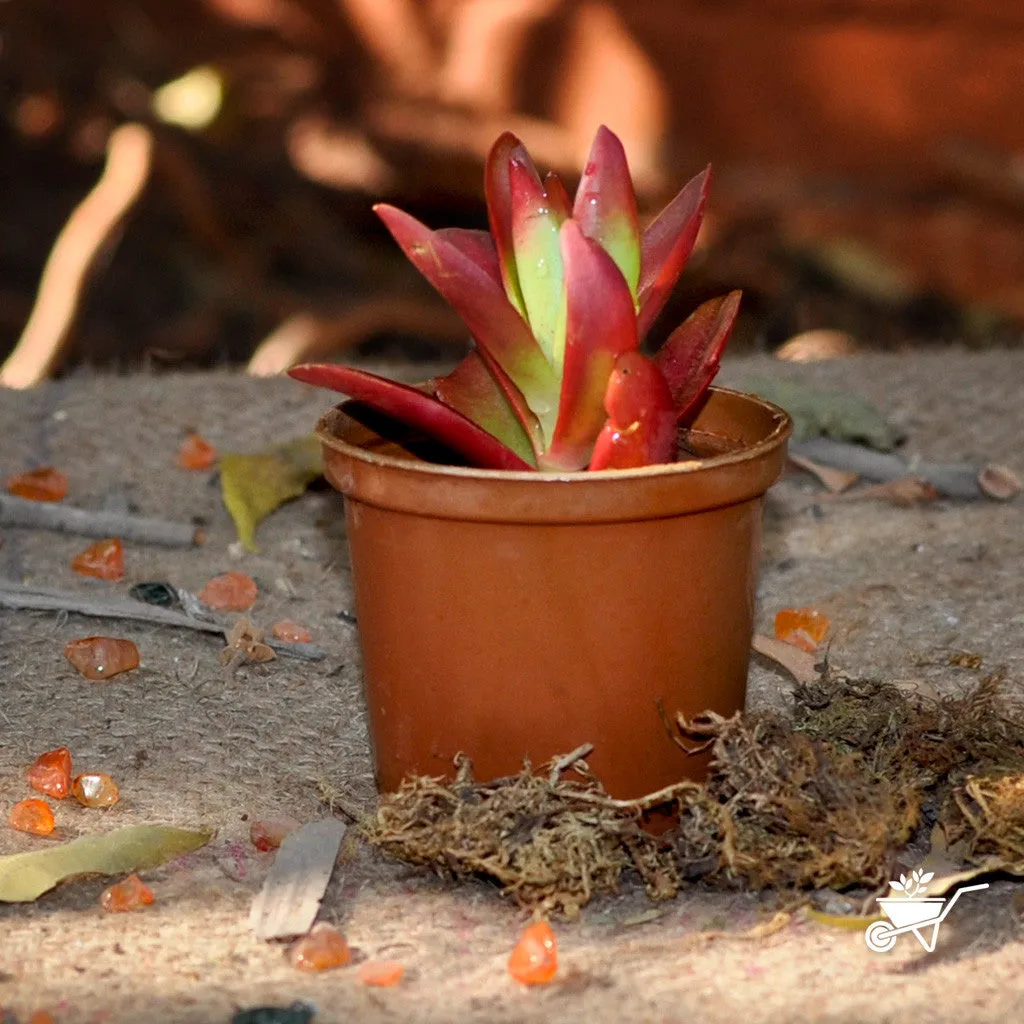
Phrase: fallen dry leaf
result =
(817, 345)
(26, 876)
(907, 490)
(836, 480)
(799, 664)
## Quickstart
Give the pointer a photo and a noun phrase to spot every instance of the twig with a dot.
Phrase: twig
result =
(640, 803)
(560, 764)
(46, 599)
(45, 515)
(951, 480)
(78, 246)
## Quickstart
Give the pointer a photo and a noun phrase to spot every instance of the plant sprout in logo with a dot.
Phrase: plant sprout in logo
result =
(917, 883)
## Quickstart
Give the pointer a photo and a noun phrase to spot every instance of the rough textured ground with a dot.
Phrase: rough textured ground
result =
(903, 586)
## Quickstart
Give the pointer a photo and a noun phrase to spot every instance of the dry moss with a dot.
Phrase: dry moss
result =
(826, 798)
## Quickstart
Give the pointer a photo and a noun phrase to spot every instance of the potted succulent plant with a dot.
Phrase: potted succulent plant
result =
(557, 543)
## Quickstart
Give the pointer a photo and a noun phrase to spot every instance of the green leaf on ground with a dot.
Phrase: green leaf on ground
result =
(836, 414)
(252, 486)
(26, 876)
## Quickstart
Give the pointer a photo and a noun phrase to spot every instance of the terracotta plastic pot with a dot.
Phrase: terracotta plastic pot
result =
(510, 615)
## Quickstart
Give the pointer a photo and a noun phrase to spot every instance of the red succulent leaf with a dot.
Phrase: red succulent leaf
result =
(666, 246)
(641, 426)
(600, 325)
(605, 206)
(561, 204)
(690, 357)
(498, 190)
(416, 409)
(471, 390)
(476, 245)
(475, 296)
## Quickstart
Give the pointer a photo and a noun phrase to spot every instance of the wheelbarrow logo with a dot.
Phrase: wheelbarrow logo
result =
(912, 913)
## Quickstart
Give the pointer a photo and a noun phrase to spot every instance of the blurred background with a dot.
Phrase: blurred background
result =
(191, 180)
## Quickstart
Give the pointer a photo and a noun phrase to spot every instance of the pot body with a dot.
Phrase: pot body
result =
(514, 615)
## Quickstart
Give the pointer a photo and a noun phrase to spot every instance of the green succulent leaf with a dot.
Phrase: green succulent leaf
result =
(605, 206)
(535, 224)
(474, 294)
(666, 246)
(600, 325)
(472, 390)
(690, 357)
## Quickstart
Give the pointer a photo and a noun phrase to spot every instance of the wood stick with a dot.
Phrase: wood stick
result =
(46, 515)
(951, 480)
(78, 246)
(46, 599)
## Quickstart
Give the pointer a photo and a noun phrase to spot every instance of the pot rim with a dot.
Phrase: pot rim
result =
(780, 433)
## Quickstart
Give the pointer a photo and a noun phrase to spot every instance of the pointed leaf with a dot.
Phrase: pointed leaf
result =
(476, 245)
(498, 191)
(690, 358)
(471, 390)
(600, 326)
(472, 292)
(666, 246)
(605, 205)
(641, 427)
(561, 204)
(523, 413)
(416, 409)
(535, 227)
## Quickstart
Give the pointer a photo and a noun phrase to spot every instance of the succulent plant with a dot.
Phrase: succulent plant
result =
(558, 297)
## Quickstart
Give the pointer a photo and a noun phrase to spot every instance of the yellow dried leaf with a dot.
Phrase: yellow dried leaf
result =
(253, 486)
(853, 922)
(26, 876)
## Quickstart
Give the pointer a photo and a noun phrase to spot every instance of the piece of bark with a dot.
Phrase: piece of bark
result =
(289, 901)
(46, 515)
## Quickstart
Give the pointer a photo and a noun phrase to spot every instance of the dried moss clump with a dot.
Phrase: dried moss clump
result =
(828, 798)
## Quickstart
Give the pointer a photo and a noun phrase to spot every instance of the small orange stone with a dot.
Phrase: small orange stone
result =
(32, 816)
(104, 560)
(131, 894)
(230, 592)
(381, 973)
(95, 789)
(802, 627)
(534, 961)
(268, 833)
(323, 948)
(196, 453)
(291, 632)
(50, 773)
(46, 484)
(100, 657)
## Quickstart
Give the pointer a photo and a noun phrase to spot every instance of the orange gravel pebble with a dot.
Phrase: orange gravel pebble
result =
(50, 773)
(45, 484)
(131, 894)
(230, 592)
(380, 973)
(95, 789)
(268, 833)
(323, 948)
(100, 657)
(195, 453)
(104, 560)
(291, 632)
(802, 627)
(33, 816)
(534, 960)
